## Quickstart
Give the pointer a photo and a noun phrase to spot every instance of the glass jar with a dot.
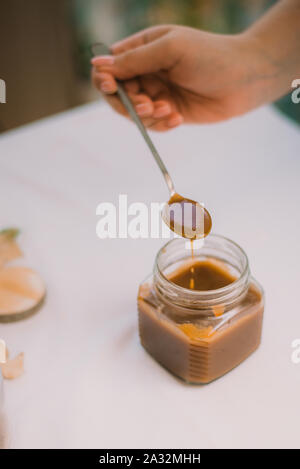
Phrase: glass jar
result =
(199, 335)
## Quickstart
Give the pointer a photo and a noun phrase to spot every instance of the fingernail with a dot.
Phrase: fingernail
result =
(162, 111)
(103, 60)
(107, 87)
(175, 121)
(143, 109)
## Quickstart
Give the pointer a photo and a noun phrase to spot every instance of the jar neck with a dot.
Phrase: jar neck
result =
(210, 302)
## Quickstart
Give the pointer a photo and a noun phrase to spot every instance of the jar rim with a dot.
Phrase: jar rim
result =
(223, 294)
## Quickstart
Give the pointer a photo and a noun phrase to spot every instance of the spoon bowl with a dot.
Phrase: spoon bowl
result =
(186, 217)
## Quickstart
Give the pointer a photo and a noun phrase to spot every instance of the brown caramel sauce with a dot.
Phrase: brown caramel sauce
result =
(178, 199)
(202, 275)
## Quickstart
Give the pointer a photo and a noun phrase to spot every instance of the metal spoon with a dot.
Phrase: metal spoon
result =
(183, 216)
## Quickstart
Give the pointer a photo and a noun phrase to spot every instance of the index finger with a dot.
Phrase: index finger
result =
(140, 39)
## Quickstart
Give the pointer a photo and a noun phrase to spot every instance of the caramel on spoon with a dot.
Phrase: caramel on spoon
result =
(186, 217)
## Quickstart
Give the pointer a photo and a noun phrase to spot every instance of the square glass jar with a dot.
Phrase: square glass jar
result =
(200, 335)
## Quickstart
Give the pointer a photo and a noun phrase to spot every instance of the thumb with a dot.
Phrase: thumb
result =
(148, 58)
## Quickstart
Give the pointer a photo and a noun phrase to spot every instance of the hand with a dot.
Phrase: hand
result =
(176, 74)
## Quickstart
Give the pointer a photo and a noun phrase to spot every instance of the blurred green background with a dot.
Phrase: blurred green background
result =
(46, 58)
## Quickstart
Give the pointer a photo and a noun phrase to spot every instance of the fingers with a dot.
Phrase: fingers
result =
(158, 113)
(140, 38)
(161, 109)
(143, 105)
(139, 61)
(144, 59)
(107, 86)
(105, 82)
(167, 122)
(174, 120)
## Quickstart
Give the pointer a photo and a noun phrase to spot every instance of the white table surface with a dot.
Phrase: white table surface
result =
(88, 383)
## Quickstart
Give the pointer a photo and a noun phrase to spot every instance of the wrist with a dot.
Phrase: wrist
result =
(257, 55)
(261, 78)
(274, 66)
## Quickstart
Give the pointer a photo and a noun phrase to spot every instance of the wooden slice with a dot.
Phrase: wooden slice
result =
(22, 291)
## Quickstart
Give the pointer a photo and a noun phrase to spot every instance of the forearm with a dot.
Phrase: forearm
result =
(276, 36)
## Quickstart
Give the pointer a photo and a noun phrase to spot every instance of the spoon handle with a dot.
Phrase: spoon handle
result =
(100, 49)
